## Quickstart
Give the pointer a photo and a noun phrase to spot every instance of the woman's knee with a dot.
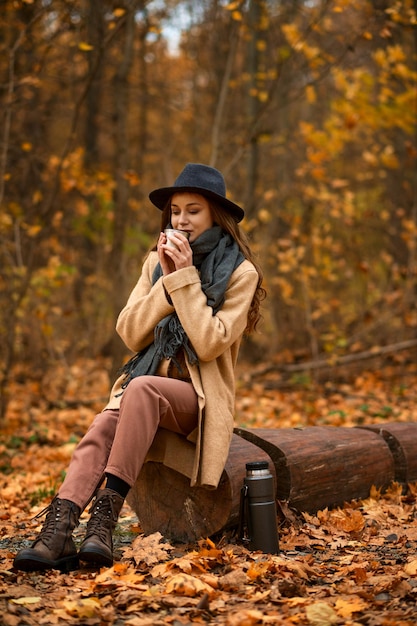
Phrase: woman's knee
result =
(138, 386)
(104, 423)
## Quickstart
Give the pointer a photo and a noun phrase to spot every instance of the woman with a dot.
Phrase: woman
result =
(196, 297)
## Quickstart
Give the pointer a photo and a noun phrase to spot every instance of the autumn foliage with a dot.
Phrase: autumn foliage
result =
(309, 109)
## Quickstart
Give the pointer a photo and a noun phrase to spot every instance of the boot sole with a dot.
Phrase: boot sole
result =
(29, 563)
(94, 556)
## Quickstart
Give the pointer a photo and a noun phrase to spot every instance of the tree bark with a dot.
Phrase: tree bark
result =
(401, 439)
(117, 257)
(324, 466)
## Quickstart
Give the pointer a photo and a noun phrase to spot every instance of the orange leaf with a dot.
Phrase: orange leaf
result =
(185, 585)
(345, 608)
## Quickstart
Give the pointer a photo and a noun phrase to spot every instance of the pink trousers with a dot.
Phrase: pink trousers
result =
(118, 439)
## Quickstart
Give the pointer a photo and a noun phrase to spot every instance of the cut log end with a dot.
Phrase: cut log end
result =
(164, 501)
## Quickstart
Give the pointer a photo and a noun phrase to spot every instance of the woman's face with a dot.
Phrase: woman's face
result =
(191, 212)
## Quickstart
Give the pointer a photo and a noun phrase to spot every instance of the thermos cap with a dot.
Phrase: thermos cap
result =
(257, 465)
(257, 468)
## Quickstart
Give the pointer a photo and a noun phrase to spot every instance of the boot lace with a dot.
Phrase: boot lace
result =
(102, 518)
(53, 518)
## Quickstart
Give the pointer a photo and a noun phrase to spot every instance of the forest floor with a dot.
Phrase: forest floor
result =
(353, 565)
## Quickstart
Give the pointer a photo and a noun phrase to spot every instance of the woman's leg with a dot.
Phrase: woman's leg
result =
(54, 547)
(116, 443)
(149, 403)
(86, 469)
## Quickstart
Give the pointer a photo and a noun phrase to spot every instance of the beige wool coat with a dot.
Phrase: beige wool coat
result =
(216, 340)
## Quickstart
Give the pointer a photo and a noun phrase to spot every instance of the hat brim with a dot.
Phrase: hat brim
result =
(160, 197)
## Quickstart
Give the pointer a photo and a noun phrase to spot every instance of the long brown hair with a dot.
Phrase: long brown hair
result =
(229, 225)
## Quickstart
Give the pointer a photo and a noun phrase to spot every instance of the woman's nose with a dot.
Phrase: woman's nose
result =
(183, 219)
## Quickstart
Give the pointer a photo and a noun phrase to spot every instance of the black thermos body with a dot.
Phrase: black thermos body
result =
(261, 511)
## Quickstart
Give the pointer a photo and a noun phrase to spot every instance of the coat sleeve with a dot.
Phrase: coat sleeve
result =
(211, 334)
(147, 305)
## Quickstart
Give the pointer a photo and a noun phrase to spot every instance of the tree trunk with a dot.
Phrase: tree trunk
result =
(117, 260)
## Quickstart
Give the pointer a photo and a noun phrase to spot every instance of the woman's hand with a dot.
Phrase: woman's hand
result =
(172, 259)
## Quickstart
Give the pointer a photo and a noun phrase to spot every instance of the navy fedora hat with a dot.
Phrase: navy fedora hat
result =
(201, 179)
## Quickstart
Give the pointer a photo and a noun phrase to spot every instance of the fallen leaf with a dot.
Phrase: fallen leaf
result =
(258, 570)
(321, 614)
(120, 575)
(26, 600)
(346, 608)
(232, 581)
(348, 520)
(411, 568)
(140, 621)
(186, 585)
(245, 618)
(148, 550)
(84, 608)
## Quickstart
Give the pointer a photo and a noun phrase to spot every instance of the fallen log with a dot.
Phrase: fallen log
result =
(164, 501)
(324, 466)
(401, 438)
(333, 361)
(313, 467)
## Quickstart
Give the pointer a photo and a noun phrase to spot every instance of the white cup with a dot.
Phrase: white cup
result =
(171, 231)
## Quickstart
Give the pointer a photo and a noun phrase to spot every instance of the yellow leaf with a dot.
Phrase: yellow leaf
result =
(85, 608)
(389, 159)
(85, 47)
(232, 6)
(321, 614)
(311, 94)
(36, 196)
(33, 230)
(26, 146)
(396, 54)
(119, 12)
(26, 600)
(264, 216)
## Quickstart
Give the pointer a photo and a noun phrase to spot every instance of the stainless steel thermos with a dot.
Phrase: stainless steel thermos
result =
(258, 511)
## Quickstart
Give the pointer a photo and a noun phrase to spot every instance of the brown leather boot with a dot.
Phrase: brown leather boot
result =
(54, 548)
(97, 547)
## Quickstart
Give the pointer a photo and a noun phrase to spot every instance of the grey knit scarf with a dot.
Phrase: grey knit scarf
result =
(216, 254)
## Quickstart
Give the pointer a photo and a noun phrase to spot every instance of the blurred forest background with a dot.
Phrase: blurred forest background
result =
(309, 108)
